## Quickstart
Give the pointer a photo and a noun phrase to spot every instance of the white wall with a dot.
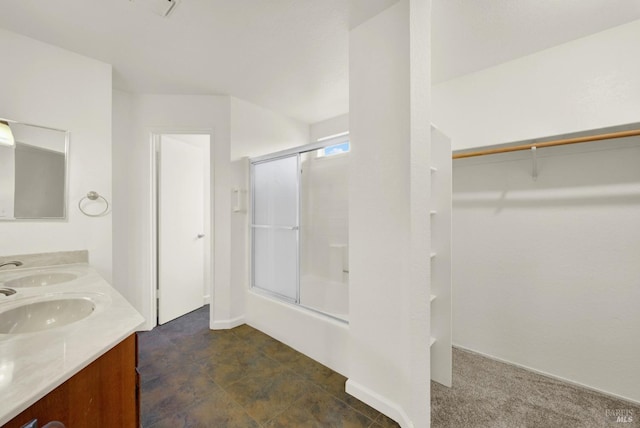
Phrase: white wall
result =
(122, 129)
(327, 128)
(136, 117)
(239, 244)
(389, 213)
(257, 131)
(589, 83)
(49, 86)
(546, 272)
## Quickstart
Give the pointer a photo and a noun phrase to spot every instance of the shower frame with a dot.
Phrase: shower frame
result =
(296, 151)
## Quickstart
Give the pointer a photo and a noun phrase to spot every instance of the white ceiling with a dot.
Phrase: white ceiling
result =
(291, 55)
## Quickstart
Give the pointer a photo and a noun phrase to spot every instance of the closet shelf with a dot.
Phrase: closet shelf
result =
(440, 245)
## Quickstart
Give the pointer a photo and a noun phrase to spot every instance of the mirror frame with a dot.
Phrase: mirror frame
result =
(65, 213)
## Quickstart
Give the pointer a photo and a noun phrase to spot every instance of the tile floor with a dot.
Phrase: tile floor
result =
(194, 377)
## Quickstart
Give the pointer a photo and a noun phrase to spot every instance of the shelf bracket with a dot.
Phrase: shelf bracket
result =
(534, 163)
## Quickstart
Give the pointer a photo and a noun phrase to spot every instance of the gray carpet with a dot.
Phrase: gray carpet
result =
(490, 394)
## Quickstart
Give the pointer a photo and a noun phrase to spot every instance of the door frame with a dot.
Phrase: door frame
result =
(154, 144)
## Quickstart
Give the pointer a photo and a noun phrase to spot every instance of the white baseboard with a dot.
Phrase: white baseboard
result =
(379, 403)
(227, 324)
(207, 299)
(552, 376)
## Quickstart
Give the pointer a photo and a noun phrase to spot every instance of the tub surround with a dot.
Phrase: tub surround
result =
(34, 364)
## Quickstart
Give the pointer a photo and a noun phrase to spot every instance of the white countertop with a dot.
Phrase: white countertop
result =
(34, 364)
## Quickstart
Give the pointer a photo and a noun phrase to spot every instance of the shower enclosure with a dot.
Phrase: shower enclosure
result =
(299, 226)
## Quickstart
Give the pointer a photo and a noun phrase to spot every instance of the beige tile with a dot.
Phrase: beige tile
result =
(217, 410)
(280, 352)
(265, 396)
(332, 382)
(251, 376)
(319, 409)
(255, 337)
(386, 422)
(157, 356)
(235, 365)
(360, 406)
(168, 395)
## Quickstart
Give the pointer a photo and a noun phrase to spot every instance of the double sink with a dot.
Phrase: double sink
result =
(34, 300)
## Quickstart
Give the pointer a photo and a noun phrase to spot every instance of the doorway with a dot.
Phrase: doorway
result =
(182, 268)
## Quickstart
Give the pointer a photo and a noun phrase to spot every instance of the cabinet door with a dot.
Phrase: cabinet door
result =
(103, 394)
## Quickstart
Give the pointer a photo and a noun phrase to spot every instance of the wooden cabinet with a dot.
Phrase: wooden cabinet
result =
(103, 394)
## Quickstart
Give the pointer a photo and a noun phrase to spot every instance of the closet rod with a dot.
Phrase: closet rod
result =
(609, 136)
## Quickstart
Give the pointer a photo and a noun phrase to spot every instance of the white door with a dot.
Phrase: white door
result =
(180, 228)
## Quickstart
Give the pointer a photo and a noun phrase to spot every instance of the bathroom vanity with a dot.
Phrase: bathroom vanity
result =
(103, 394)
(67, 349)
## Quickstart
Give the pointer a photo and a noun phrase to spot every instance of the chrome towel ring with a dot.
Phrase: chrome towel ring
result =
(93, 196)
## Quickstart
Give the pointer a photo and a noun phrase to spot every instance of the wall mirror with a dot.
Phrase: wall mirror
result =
(33, 172)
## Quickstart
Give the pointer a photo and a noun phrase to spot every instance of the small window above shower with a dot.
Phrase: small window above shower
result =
(336, 149)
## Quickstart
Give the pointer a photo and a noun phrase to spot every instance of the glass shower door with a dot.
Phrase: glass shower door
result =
(275, 226)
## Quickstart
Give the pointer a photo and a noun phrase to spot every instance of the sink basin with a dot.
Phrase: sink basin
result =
(44, 315)
(41, 279)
